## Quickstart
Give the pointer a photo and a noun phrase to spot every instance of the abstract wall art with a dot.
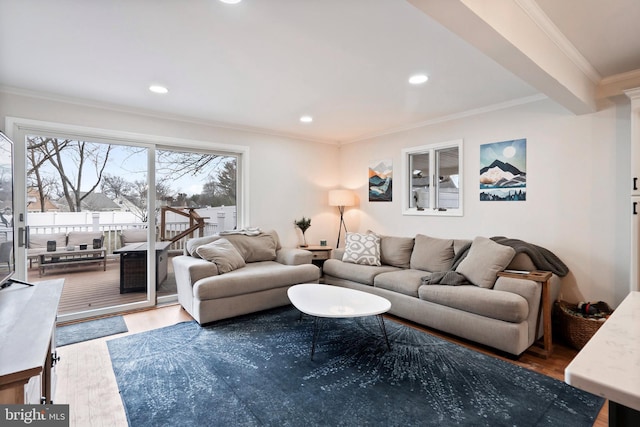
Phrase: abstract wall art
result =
(503, 175)
(380, 181)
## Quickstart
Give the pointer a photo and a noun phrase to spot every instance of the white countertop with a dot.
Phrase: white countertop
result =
(609, 365)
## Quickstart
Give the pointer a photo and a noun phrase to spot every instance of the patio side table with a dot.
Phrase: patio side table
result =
(133, 265)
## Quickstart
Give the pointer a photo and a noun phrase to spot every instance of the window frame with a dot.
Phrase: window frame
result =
(431, 150)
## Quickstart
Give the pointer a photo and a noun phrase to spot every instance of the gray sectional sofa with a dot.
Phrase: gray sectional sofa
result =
(238, 273)
(451, 285)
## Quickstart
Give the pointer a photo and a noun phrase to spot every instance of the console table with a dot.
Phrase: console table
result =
(27, 326)
(609, 364)
(544, 278)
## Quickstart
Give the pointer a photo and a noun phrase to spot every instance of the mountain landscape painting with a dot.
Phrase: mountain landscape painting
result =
(503, 175)
(380, 181)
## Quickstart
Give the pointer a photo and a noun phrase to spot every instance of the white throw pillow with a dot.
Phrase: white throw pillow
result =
(362, 249)
(223, 254)
(483, 262)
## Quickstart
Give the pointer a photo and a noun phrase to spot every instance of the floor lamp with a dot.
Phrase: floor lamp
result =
(341, 199)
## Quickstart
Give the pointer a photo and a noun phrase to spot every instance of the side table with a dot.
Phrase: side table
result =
(544, 278)
(320, 254)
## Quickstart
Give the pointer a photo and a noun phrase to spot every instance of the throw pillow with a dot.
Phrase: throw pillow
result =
(483, 262)
(395, 251)
(255, 248)
(362, 249)
(193, 244)
(39, 241)
(223, 254)
(432, 254)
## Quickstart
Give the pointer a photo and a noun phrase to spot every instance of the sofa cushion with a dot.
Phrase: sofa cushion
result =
(76, 238)
(404, 282)
(255, 248)
(355, 272)
(395, 251)
(223, 254)
(362, 249)
(254, 277)
(133, 236)
(459, 244)
(484, 260)
(432, 254)
(193, 244)
(500, 305)
(523, 262)
(39, 241)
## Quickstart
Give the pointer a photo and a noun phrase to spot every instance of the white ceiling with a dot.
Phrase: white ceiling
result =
(262, 64)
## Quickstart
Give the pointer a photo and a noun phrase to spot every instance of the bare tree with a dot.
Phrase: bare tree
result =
(115, 187)
(59, 153)
(179, 164)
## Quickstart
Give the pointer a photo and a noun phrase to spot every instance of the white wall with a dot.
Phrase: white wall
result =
(577, 181)
(288, 178)
(577, 203)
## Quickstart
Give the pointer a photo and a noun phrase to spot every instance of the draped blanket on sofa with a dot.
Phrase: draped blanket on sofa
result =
(541, 257)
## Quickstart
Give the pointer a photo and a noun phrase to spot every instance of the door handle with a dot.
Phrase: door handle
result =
(23, 236)
(635, 205)
(635, 183)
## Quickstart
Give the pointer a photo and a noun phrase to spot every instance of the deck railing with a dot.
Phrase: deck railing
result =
(112, 232)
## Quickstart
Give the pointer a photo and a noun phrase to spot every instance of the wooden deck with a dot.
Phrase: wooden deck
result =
(88, 287)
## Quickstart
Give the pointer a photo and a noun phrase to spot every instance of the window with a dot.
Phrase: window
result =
(432, 175)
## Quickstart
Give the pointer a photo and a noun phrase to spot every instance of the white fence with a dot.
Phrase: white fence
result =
(112, 224)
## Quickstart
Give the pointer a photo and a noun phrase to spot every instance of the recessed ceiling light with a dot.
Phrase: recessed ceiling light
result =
(158, 89)
(306, 119)
(418, 79)
(231, 1)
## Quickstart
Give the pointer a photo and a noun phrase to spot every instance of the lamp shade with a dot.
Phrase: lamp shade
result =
(341, 198)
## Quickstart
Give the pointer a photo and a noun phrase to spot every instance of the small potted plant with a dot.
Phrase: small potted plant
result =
(303, 224)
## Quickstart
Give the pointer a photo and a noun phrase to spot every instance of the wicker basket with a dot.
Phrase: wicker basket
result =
(575, 328)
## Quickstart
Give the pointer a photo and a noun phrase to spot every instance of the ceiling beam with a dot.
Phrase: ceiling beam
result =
(509, 32)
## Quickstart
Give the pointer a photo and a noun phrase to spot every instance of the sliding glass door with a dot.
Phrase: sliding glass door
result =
(196, 192)
(102, 209)
(87, 221)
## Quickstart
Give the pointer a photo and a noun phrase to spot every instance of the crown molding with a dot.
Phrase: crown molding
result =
(157, 115)
(618, 84)
(451, 117)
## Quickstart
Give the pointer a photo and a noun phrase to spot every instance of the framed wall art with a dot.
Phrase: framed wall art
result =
(380, 181)
(503, 175)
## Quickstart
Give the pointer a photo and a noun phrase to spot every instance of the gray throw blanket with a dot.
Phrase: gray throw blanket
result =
(451, 277)
(542, 258)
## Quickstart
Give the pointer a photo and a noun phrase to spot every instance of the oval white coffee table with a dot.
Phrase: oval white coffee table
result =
(335, 301)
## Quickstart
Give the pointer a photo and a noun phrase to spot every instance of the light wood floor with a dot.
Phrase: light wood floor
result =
(86, 381)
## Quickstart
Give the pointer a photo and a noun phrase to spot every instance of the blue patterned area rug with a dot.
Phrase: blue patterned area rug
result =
(256, 370)
(85, 331)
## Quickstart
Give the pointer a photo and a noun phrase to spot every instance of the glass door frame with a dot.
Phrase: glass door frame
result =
(18, 128)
